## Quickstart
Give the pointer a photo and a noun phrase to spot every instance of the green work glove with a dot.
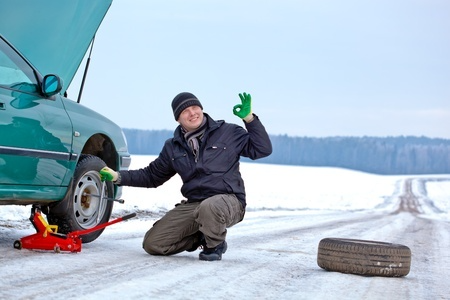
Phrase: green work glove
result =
(108, 174)
(244, 110)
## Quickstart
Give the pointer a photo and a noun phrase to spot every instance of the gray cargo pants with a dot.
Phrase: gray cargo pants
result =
(177, 230)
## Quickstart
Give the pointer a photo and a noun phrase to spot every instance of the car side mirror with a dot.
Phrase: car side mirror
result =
(51, 85)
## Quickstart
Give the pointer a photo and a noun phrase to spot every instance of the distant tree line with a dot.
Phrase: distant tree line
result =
(400, 155)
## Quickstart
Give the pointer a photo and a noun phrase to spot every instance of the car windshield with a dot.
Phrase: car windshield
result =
(14, 71)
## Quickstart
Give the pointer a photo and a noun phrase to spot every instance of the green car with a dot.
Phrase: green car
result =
(51, 148)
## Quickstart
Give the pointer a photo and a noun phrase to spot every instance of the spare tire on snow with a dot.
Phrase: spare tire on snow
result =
(362, 257)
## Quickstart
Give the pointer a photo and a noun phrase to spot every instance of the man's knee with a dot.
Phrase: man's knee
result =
(215, 204)
(151, 249)
(149, 245)
(224, 208)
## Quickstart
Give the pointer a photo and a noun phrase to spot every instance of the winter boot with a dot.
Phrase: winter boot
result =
(210, 254)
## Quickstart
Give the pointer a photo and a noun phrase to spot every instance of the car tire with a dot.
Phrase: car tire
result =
(364, 257)
(84, 208)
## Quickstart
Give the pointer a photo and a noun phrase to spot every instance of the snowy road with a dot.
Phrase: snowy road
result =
(271, 255)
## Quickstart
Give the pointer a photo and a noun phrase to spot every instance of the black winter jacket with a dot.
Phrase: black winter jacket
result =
(217, 168)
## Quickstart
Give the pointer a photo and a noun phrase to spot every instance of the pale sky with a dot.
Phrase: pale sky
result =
(314, 68)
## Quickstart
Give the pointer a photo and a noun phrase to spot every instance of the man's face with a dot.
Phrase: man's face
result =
(191, 118)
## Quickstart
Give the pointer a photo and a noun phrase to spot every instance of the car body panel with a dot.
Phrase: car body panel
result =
(33, 194)
(53, 34)
(35, 139)
(83, 130)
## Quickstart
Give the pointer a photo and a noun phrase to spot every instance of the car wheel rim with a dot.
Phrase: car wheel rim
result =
(88, 207)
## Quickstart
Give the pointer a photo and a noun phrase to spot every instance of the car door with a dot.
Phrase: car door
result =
(35, 131)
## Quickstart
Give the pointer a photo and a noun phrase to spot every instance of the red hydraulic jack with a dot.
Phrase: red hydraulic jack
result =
(47, 237)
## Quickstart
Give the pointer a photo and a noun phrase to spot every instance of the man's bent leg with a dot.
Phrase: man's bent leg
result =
(217, 213)
(175, 232)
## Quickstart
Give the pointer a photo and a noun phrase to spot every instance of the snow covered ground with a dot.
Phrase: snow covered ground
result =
(272, 253)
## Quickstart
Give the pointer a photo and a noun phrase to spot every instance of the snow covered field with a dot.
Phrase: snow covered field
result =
(272, 253)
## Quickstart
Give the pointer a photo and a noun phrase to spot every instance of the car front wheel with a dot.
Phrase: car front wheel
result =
(88, 204)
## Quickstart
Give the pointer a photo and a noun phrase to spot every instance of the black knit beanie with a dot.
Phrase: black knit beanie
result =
(183, 101)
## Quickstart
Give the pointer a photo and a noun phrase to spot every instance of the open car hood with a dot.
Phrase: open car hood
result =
(53, 35)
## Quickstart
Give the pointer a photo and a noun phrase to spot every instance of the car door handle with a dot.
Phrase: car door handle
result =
(2, 105)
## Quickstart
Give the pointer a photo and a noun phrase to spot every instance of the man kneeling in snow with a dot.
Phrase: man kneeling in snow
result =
(205, 153)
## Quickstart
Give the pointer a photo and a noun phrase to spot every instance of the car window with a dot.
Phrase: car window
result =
(14, 71)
